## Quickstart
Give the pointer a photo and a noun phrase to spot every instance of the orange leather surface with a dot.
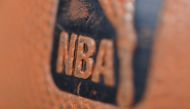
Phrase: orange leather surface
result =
(26, 33)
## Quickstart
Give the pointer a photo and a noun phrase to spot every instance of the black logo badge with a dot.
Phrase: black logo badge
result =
(84, 57)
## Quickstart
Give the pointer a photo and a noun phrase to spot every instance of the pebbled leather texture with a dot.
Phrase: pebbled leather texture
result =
(26, 34)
